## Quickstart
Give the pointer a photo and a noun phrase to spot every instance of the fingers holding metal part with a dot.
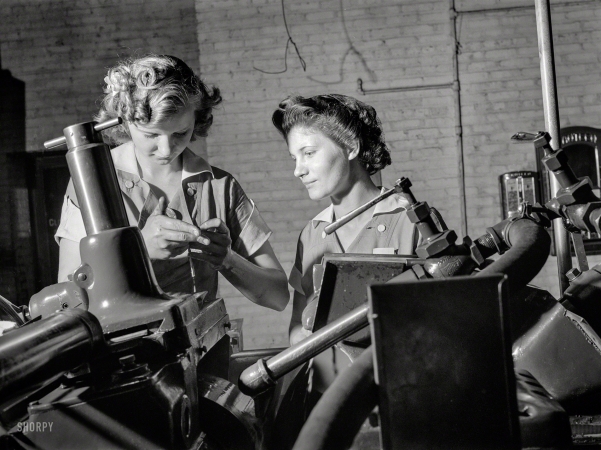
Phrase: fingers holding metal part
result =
(213, 245)
(164, 235)
(215, 225)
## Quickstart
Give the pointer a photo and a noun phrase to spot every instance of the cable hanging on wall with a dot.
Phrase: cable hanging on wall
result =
(351, 49)
(288, 42)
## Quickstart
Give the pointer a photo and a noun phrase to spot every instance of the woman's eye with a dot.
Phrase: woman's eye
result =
(181, 134)
(150, 136)
(309, 153)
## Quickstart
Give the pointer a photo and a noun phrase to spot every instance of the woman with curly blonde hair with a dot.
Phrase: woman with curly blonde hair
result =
(173, 195)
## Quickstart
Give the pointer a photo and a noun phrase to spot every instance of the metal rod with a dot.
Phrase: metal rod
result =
(355, 212)
(400, 88)
(551, 111)
(263, 374)
(458, 118)
(62, 140)
(56, 142)
(107, 124)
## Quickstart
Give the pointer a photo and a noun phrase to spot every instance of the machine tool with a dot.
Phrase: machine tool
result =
(119, 364)
(107, 358)
(112, 359)
(555, 344)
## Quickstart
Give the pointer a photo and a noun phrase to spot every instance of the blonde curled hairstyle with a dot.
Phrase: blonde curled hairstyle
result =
(150, 89)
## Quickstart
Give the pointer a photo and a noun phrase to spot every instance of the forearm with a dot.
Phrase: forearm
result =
(264, 286)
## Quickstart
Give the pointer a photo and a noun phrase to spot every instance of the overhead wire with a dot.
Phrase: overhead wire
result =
(288, 42)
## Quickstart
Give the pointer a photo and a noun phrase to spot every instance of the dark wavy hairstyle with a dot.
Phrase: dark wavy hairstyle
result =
(344, 119)
(152, 88)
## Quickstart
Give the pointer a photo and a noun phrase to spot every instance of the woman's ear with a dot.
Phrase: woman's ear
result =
(353, 151)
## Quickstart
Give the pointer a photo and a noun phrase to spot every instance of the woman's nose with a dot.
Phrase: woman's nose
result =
(299, 169)
(165, 145)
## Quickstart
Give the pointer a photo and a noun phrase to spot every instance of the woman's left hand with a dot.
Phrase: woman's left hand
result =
(213, 245)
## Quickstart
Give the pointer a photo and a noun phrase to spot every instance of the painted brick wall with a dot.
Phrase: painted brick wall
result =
(388, 44)
(501, 94)
(60, 50)
(400, 44)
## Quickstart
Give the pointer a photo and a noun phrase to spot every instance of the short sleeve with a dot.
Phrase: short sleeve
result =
(71, 225)
(296, 274)
(248, 229)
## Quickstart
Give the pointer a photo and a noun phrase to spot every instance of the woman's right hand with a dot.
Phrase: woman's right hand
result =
(300, 331)
(308, 317)
(166, 237)
(298, 334)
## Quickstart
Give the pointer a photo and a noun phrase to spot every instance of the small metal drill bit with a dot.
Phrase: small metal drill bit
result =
(192, 273)
(171, 213)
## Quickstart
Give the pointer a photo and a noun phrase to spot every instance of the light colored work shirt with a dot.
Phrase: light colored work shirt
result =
(388, 231)
(206, 192)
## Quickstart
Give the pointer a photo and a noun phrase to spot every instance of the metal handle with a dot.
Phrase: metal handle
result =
(354, 213)
(263, 374)
(62, 140)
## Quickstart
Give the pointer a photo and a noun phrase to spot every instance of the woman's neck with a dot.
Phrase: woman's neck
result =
(361, 191)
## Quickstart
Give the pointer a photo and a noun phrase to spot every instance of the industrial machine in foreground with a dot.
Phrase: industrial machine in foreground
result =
(107, 360)
(462, 352)
(450, 349)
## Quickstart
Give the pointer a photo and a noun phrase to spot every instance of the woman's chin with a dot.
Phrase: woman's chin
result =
(317, 195)
(163, 161)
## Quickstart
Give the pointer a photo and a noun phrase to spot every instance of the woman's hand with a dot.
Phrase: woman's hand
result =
(308, 317)
(166, 237)
(303, 316)
(298, 334)
(307, 320)
(214, 245)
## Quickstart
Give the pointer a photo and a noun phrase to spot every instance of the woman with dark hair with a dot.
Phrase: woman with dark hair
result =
(337, 143)
(173, 195)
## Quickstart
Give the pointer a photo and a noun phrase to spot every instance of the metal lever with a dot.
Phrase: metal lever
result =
(354, 213)
(62, 140)
(264, 373)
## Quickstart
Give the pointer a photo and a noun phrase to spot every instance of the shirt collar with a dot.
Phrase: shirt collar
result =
(125, 160)
(388, 205)
(327, 215)
(194, 165)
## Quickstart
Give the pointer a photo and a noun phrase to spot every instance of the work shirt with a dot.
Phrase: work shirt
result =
(206, 192)
(388, 231)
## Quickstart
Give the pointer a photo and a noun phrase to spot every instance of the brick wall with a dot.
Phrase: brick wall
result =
(501, 94)
(60, 50)
(392, 44)
(388, 44)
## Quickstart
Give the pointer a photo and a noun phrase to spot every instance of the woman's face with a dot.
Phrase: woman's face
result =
(164, 142)
(321, 164)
